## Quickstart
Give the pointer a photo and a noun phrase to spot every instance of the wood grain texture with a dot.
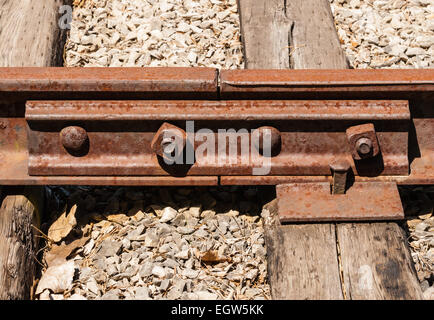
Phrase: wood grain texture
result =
(29, 37)
(18, 247)
(296, 34)
(29, 33)
(302, 262)
(302, 259)
(376, 262)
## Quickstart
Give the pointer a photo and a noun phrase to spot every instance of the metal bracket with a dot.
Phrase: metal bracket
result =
(304, 202)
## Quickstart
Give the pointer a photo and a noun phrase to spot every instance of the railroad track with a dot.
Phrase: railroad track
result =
(335, 142)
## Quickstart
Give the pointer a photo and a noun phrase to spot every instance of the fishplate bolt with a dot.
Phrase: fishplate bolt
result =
(74, 139)
(169, 141)
(363, 141)
(272, 137)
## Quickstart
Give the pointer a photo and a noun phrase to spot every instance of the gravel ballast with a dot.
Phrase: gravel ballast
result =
(152, 33)
(386, 33)
(157, 243)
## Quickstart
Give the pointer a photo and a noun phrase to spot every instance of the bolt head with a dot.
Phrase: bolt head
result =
(363, 141)
(266, 134)
(165, 137)
(73, 138)
(167, 144)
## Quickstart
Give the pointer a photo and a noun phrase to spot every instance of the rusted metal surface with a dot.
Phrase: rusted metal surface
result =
(362, 201)
(170, 137)
(14, 160)
(73, 139)
(422, 147)
(140, 83)
(115, 145)
(264, 134)
(246, 110)
(122, 135)
(340, 172)
(320, 84)
(363, 141)
(68, 80)
(414, 178)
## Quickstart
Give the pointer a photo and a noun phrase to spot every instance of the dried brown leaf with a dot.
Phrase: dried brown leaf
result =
(63, 225)
(60, 253)
(212, 257)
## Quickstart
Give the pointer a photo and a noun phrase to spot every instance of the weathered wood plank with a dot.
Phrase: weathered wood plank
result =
(29, 33)
(18, 244)
(376, 262)
(265, 34)
(296, 269)
(296, 34)
(302, 259)
(29, 36)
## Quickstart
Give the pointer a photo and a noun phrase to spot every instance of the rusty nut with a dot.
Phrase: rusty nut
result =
(73, 138)
(363, 141)
(169, 140)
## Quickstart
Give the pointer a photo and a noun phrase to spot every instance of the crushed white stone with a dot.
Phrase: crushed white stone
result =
(418, 206)
(210, 254)
(386, 33)
(151, 33)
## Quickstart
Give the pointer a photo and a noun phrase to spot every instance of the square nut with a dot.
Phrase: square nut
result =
(363, 141)
(169, 138)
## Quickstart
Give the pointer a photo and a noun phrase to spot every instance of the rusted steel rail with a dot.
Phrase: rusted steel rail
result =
(360, 131)
(327, 84)
(119, 111)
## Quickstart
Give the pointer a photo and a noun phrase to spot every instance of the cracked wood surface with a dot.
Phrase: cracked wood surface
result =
(302, 259)
(18, 243)
(376, 262)
(302, 263)
(296, 34)
(320, 261)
